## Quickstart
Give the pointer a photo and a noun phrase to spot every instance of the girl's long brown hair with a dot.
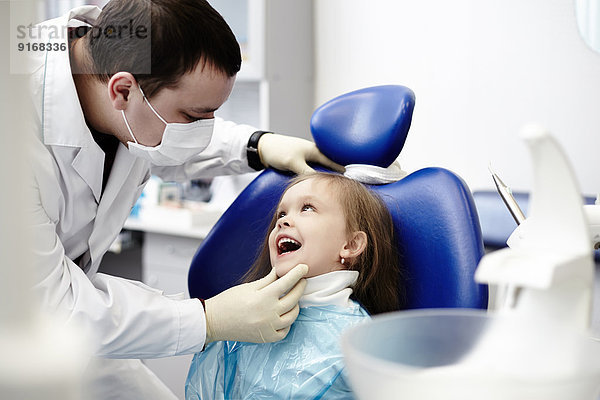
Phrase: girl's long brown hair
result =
(379, 287)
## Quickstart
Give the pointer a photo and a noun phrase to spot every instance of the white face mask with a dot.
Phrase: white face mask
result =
(180, 142)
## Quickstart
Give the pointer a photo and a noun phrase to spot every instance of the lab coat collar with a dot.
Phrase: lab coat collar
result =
(64, 122)
(62, 117)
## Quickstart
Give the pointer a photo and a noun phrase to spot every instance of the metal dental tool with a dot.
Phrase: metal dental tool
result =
(508, 198)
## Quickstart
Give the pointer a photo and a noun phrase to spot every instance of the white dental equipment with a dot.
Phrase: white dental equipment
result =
(592, 211)
(548, 269)
(536, 347)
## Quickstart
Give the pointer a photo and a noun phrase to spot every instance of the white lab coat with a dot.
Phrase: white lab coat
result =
(73, 217)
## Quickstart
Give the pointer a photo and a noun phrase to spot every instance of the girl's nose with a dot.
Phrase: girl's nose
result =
(285, 221)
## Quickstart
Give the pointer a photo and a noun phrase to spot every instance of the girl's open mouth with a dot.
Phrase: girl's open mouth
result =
(286, 245)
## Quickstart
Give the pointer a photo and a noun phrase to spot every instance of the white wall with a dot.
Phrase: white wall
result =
(480, 70)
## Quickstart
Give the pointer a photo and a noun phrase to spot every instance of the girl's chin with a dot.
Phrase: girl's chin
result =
(281, 270)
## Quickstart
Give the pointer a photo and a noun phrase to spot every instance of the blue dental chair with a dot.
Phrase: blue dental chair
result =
(438, 231)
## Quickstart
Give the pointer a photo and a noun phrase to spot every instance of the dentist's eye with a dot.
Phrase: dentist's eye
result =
(190, 118)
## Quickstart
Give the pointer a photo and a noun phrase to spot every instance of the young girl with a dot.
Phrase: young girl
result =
(345, 234)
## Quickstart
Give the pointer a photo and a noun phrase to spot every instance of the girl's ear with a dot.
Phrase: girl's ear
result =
(355, 246)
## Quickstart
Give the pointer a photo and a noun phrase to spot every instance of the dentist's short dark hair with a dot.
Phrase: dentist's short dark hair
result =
(158, 41)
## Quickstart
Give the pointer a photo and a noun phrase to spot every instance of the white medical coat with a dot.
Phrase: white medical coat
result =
(73, 217)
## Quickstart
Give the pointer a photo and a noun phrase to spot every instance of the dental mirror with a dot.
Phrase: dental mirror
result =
(587, 13)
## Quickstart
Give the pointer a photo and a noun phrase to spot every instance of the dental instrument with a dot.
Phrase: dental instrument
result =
(506, 194)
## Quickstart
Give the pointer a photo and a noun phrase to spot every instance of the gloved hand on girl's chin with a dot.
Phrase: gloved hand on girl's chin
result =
(256, 312)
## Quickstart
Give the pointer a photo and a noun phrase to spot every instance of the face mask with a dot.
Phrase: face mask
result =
(180, 142)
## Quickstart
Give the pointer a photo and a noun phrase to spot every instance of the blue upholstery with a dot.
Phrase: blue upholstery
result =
(348, 123)
(439, 237)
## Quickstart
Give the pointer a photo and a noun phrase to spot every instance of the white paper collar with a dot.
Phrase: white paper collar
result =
(332, 288)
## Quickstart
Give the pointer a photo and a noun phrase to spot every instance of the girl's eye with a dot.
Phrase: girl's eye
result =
(280, 214)
(308, 207)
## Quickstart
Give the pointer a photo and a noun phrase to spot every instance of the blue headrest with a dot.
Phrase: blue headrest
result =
(367, 126)
(438, 233)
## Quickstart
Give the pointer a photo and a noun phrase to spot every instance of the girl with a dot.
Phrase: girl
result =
(345, 234)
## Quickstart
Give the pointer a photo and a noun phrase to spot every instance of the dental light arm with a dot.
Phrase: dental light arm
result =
(548, 269)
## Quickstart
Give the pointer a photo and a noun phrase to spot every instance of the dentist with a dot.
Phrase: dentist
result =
(133, 93)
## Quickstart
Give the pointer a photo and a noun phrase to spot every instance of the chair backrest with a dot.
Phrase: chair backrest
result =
(438, 232)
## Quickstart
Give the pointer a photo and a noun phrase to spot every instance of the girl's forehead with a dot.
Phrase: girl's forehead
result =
(311, 187)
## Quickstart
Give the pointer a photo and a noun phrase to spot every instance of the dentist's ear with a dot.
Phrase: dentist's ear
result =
(355, 245)
(119, 89)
